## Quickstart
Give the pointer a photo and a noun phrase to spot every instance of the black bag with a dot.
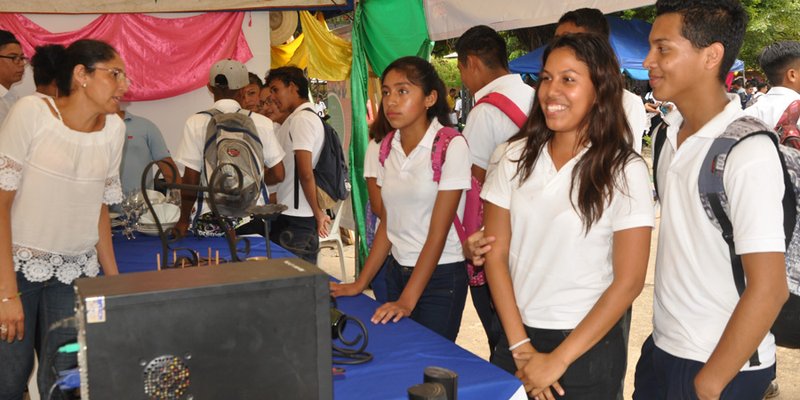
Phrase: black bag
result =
(331, 175)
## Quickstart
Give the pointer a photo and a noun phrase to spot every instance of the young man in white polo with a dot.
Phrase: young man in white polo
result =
(227, 79)
(781, 63)
(705, 335)
(302, 134)
(483, 64)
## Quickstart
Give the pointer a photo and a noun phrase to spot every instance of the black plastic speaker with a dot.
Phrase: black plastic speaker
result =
(250, 330)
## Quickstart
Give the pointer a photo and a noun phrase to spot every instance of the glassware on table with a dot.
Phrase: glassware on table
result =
(132, 205)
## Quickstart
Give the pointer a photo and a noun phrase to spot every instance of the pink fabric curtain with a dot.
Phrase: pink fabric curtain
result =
(164, 57)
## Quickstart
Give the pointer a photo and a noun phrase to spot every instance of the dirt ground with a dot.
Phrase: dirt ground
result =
(472, 338)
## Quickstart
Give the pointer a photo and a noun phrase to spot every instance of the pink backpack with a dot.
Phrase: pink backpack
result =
(438, 153)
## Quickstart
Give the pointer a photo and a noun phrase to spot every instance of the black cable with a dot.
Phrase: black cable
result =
(347, 356)
(52, 390)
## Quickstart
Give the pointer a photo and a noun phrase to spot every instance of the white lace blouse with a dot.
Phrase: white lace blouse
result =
(61, 177)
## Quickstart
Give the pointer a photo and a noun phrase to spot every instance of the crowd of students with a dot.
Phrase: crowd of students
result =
(567, 203)
(569, 212)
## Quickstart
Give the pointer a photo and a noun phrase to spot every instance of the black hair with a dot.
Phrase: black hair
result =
(590, 19)
(380, 126)
(289, 75)
(485, 43)
(45, 63)
(421, 73)
(255, 79)
(86, 52)
(604, 129)
(7, 37)
(706, 22)
(761, 85)
(778, 57)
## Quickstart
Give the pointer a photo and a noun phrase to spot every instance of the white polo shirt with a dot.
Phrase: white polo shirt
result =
(559, 271)
(487, 126)
(695, 293)
(372, 159)
(770, 107)
(302, 130)
(409, 193)
(637, 117)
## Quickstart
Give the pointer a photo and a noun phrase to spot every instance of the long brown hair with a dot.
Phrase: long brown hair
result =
(604, 130)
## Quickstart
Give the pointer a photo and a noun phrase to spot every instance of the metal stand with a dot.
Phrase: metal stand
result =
(168, 238)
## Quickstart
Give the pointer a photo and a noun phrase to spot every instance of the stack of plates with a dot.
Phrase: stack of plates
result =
(152, 230)
(168, 215)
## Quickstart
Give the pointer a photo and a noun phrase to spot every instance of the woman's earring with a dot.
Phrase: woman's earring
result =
(83, 85)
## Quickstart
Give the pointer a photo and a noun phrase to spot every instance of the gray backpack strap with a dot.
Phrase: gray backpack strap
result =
(712, 189)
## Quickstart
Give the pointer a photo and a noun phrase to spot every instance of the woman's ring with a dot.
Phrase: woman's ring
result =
(3, 329)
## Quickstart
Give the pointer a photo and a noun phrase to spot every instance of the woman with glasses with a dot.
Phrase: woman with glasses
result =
(59, 171)
(12, 66)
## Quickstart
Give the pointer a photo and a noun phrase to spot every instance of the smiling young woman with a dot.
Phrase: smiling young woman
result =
(71, 146)
(578, 199)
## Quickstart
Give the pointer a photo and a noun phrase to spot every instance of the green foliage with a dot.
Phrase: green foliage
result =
(770, 21)
(448, 71)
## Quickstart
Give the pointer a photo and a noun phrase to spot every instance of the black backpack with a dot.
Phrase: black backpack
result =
(333, 181)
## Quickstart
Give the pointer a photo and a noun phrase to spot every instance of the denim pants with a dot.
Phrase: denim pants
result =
(596, 375)
(442, 302)
(298, 235)
(43, 303)
(482, 300)
(660, 375)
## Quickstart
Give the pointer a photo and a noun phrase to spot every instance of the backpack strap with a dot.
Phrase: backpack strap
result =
(508, 107)
(386, 147)
(438, 154)
(715, 201)
(297, 178)
(658, 146)
(211, 138)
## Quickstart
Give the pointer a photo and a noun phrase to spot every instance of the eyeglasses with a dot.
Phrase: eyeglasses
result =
(117, 73)
(17, 58)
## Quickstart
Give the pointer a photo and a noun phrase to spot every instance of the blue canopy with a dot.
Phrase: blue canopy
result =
(629, 39)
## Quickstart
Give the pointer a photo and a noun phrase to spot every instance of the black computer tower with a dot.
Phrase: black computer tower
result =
(250, 330)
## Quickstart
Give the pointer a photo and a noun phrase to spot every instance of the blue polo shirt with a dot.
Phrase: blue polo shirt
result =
(143, 144)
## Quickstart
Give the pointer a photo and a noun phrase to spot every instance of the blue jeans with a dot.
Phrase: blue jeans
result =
(298, 235)
(379, 283)
(442, 302)
(595, 375)
(660, 375)
(43, 303)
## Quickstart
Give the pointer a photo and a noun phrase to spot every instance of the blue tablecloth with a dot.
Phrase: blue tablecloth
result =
(401, 350)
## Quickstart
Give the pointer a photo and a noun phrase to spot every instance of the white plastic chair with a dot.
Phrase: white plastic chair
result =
(334, 239)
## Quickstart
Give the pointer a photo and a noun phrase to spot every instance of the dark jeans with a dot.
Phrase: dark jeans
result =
(660, 375)
(379, 284)
(442, 302)
(596, 375)
(43, 304)
(482, 300)
(298, 235)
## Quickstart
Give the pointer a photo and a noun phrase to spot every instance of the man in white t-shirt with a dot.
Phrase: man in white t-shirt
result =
(780, 61)
(299, 228)
(227, 79)
(483, 64)
(705, 336)
(591, 20)
(12, 67)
